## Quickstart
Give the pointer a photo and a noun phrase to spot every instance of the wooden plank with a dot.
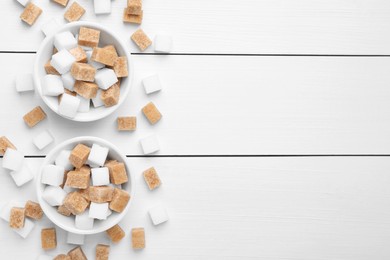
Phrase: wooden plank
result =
(228, 26)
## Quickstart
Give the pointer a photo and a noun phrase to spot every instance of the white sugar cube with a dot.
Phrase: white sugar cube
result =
(163, 43)
(102, 6)
(68, 106)
(98, 210)
(100, 176)
(97, 101)
(52, 175)
(13, 159)
(83, 221)
(26, 229)
(5, 211)
(98, 155)
(43, 139)
(158, 215)
(52, 85)
(24, 82)
(54, 195)
(84, 104)
(45, 257)
(109, 212)
(23, 175)
(23, 2)
(65, 40)
(150, 144)
(75, 239)
(68, 81)
(62, 61)
(96, 64)
(62, 159)
(152, 84)
(50, 27)
(105, 78)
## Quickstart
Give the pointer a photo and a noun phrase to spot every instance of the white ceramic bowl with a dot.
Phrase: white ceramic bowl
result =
(68, 223)
(106, 37)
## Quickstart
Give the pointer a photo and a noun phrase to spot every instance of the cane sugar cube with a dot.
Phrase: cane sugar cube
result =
(23, 2)
(83, 71)
(24, 82)
(79, 155)
(104, 55)
(54, 195)
(102, 6)
(30, 14)
(115, 233)
(74, 12)
(150, 144)
(158, 215)
(33, 210)
(102, 252)
(151, 113)
(68, 81)
(43, 139)
(75, 239)
(138, 238)
(64, 211)
(98, 155)
(79, 54)
(52, 85)
(87, 90)
(62, 61)
(52, 175)
(5, 211)
(44, 257)
(83, 221)
(78, 179)
(117, 170)
(134, 6)
(61, 2)
(62, 159)
(152, 84)
(65, 40)
(16, 218)
(13, 159)
(119, 201)
(75, 203)
(34, 116)
(163, 43)
(77, 254)
(111, 96)
(50, 27)
(84, 105)
(62, 257)
(101, 194)
(97, 101)
(88, 37)
(50, 69)
(141, 39)
(120, 67)
(22, 176)
(98, 210)
(5, 144)
(105, 78)
(48, 238)
(68, 106)
(26, 229)
(132, 18)
(127, 123)
(151, 178)
(100, 176)
(97, 65)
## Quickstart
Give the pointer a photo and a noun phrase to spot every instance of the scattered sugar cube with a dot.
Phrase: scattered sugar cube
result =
(62, 61)
(30, 14)
(53, 195)
(102, 6)
(22, 176)
(34, 116)
(62, 159)
(98, 155)
(4, 144)
(105, 78)
(104, 55)
(43, 139)
(97, 101)
(150, 144)
(158, 215)
(120, 67)
(52, 175)
(77, 254)
(61, 2)
(102, 252)
(98, 210)
(16, 218)
(52, 85)
(23, 2)
(33, 210)
(78, 179)
(5, 211)
(111, 95)
(127, 123)
(119, 201)
(138, 238)
(68, 81)
(83, 71)
(151, 113)
(83, 221)
(118, 174)
(115, 233)
(75, 203)
(97, 65)
(62, 257)
(163, 43)
(24, 82)
(26, 229)
(84, 104)
(152, 84)
(13, 159)
(141, 39)
(132, 18)
(48, 238)
(75, 239)
(74, 12)
(79, 155)
(101, 194)
(50, 27)
(64, 211)
(50, 69)
(64, 40)
(134, 6)
(87, 90)
(68, 106)
(44, 257)
(88, 37)
(151, 178)
(100, 176)
(79, 54)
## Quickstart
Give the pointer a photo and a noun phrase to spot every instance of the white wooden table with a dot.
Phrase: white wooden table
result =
(275, 137)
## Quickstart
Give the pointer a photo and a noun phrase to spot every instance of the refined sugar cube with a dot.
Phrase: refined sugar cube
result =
(109, 212)
(118, 174)
(13, 159)
(158, 215)
(22, 176)
(138, 238)
(79, 54)
(79, 155)
(64, 211)
(68, 81)
(4, 144)
(119, 201)
(16, 218)
(87, 90)
(62, 159)
(33, 210)
(52, 175)
(96, 64)
(50, 69)
(62, 61)
(152, 84)
(61, 2)
(26, 229)
(120, 67)
(150, 144)
(104, 55)
(100, 176)
(88, 37)
(163, 43)
(62, 257)
(132, 18)
(151, 178)
(83, 221)
(111, 96)
(102, 252)
(97, 101)
(44, 257)
(77, 254)
(64, 40)
(134, 6)
(141, 39)
(105, 78)
(84, 106)
(127, 123)
(5, 211)
(75, 203)
(102, 6)
(30, 14)
(48, 238)
(100, 194)
(34, 116)
(53, 195)
(75, 239)
(24, 82)
(151, 113)
(83, 71)
(23, 2)
(98, 210)
(50, 27)
(98, 155)
(74, 12)
(52, 85)
(68, 106)
(115, 233)
(43, 139)
(78, 179)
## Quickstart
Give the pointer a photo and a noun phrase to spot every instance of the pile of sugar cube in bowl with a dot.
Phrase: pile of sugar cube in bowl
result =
(83, 72)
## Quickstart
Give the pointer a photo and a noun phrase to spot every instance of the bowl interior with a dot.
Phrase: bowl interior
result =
(106, 37)
(68, 223)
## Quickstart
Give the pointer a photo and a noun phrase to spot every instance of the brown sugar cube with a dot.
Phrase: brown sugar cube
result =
(112, 49)
(33, 210)
(75, 202)
(77, 254)
(87, 90)
(104, 55)
(85, 193)
(61, 2)
(79, 54)
(151, 113)
(102, 252)
(74, 12)
(132, 18)
(64, 211)
(141, 39)
(151, 178)
(83, 71)
(16, 218)
(67, 91)
(127, 123)
(34, 116)
(120, 67)
(119, 201)
(4, 144)
(117, 170)
(78, 179)
(134, 6)
(138, 238)
(101, 194)
(79, 155)
(111, 95)
(85, 168)
(115, 233)
(62, 257)
(31, 14)
(88, 37)
(48, 238)
(50, 69)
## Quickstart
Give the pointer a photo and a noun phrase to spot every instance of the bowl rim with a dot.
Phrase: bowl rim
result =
(130, 77)
(49, 157)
